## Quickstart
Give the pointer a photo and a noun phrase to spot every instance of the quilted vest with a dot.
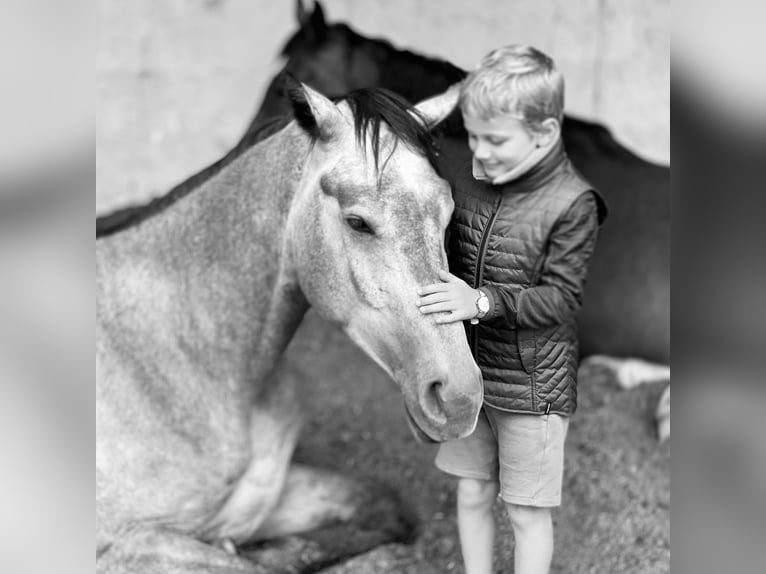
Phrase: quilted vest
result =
(498, 236)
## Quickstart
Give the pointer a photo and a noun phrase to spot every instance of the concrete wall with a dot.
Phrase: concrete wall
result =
(178, 80)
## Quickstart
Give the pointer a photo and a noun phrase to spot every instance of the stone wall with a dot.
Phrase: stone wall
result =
(178, 80)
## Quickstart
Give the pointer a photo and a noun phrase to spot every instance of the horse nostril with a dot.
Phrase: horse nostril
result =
(433, 401)
(436, 390)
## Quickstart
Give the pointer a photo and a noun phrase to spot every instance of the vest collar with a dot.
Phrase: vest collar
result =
(538, 174)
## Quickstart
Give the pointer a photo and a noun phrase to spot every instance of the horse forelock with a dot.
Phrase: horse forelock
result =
(403, 176)
(376, 108)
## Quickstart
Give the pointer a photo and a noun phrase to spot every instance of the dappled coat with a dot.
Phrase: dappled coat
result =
(527, 244)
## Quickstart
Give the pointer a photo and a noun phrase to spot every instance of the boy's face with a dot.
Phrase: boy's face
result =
(499, 144)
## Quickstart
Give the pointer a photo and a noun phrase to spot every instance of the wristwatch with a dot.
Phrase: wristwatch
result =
(482, 307)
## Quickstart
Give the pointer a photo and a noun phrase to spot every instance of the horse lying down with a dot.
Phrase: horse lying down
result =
(625, 320)
(199, 293)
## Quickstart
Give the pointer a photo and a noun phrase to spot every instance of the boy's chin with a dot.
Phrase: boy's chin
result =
(495, 170)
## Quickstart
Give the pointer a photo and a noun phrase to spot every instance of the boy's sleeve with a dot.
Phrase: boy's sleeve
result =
(558, 294)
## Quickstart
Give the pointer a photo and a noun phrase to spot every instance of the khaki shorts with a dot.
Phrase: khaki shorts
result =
(524, 453)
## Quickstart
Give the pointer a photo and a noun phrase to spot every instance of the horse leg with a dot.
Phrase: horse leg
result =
(629, 373)
(166, 552)
(335, 518)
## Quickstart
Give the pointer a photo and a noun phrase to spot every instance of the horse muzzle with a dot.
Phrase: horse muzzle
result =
(446, 408)
(417, 432)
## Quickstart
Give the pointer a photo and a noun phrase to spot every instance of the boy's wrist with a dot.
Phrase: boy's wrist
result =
(482, 306)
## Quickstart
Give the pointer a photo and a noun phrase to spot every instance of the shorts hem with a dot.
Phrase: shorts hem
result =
(467, 473)
(533, 502)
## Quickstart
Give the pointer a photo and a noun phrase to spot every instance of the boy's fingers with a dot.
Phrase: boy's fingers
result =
(431, 289)
(446, 275)
(440, 297)
(446, 318)
(435, 308)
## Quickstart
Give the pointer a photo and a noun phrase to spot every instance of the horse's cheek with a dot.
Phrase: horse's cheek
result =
(320, 278)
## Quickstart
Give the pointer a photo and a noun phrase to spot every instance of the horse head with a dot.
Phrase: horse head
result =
(325, 56)
(334, 59)
(366, 230)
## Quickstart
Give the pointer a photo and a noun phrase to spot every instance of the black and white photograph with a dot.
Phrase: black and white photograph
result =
(383, 287)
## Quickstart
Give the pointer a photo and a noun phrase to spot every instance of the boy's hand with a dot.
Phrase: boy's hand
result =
(454, 297)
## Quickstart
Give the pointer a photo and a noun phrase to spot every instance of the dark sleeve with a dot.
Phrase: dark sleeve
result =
(558, 294)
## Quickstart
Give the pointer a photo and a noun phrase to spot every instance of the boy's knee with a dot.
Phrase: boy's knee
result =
(525, 517)
(476, 493)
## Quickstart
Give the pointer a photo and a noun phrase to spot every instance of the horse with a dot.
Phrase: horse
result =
(199, 293)
(624, 323)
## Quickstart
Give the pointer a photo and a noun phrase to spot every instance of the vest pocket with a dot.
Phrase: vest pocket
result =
(525, 340)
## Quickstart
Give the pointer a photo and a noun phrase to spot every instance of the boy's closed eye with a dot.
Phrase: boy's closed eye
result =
(494, 141)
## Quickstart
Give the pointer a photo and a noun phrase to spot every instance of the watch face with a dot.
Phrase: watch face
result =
(483, 304)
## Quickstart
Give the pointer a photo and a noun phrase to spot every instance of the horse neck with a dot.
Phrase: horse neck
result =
(220, 257)
(413, 76)
(275, 104)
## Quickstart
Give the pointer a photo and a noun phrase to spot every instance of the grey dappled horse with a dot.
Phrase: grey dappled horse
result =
(197, 298)
(625, 319)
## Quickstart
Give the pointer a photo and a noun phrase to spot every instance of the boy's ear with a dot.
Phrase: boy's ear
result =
(548, 132)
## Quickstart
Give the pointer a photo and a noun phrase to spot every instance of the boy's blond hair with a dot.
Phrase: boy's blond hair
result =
(518, 81)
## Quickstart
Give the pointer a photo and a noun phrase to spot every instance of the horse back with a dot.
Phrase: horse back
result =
(626, 310)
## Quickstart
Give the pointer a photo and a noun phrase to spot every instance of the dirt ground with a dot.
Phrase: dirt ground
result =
(616, 512)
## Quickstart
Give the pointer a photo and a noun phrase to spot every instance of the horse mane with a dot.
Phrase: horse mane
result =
(402, 71)
(448, 71)
(133, 215)
(372, 107)
(417, 77)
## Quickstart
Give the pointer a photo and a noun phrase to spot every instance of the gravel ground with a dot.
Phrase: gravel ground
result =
(616, 512)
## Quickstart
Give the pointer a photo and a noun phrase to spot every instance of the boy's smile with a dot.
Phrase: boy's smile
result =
(499, 144)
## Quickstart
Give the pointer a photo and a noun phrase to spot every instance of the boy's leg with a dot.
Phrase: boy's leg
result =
(474, 460)
(533, 532)
(476, 523)
(531, 451)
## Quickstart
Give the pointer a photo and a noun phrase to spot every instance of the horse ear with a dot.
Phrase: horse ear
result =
(314, 24)
(318, 20)
(301, 14)
(316, 114)
(435, 109)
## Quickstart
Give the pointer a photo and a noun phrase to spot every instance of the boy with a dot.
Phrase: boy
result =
(522, 234)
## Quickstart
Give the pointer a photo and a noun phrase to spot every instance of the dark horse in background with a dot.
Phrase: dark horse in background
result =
(626, 312)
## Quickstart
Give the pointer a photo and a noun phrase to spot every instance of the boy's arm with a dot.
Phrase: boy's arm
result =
(558, 294)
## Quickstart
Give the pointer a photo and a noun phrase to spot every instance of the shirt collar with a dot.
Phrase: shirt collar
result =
(534, 176)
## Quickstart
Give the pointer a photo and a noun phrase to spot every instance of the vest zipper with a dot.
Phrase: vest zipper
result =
(479, 265)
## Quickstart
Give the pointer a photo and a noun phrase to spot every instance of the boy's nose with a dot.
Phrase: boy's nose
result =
(481, 152)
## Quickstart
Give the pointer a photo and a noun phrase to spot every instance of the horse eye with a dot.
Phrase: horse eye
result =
(359, 224)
